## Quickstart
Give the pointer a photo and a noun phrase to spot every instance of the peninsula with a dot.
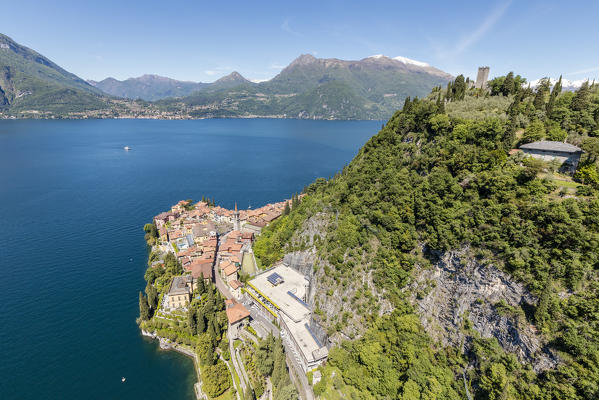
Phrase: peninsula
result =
(248, 328)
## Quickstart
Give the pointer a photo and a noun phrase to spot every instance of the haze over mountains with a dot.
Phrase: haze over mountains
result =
(31, 85)
(310, 87)
(146, 87)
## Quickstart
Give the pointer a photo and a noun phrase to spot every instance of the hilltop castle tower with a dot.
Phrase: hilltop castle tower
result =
(236, 222)
(482, 77)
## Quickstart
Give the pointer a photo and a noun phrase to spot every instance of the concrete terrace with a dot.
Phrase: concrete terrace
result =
(286, 296)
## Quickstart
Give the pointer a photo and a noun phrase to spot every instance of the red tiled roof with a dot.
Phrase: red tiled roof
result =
(224, 264)
(235, 284)
(202, 269)
(230, 269)
(237, 313)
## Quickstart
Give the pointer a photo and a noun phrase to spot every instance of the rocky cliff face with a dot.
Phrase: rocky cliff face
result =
(337, 302)
(458, 295)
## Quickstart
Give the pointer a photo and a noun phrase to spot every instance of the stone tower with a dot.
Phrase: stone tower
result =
(481, 77)
(236, 223)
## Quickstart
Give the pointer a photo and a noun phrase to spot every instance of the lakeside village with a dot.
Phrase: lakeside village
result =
(249, 331)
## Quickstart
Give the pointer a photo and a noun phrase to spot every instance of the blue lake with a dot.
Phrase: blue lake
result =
(72, 253)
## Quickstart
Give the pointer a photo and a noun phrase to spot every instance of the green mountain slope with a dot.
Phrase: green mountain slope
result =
(29, 80)
(440, 261)
(371, 88)
(33, 86)
(147, 87)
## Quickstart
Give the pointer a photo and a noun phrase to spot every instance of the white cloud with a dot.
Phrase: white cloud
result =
(488, 23)
(277, 66)
(583, 71)
(443, 51)
(287, 28)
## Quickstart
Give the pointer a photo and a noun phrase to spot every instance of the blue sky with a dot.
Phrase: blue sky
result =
(204, 40)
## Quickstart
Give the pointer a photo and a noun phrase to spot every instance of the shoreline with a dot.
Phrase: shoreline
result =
(75, 118)
(165, 344)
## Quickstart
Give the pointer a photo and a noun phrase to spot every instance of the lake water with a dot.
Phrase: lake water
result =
(72, 253)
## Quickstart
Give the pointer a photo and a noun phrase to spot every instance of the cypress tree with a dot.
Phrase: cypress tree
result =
(557, 89)
(440, 105)
(152, 294)
(191, 320)
(144, 309)
(507, 87)
(287, 209)
(217, 330)
(581, 99)
(514, 108)
(449, 91)
(201, 287)
(459, 88)
(542, 89)
(212, 334)
(200, 322)
(406, 104)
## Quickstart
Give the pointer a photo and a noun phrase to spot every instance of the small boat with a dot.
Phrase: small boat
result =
(123, 379)
(127, 148)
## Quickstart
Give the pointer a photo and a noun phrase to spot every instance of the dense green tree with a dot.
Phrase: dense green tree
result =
(200, 322)
(534, 131)
(151, 233)
(581, 100)
(215, 379)
(152, 295)
(200, 286)
(205, 350)
(191, 320)
(425, 186)
(288, 392)
(144, 309)
(507, 86)
(591, 148)
(495, 85)
(556, 91)
(440, 105)
(458, 88)
(264, 357)
(541, 93)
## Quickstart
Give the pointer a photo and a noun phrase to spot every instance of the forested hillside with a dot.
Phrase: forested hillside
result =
(439, 178)
(30, 81)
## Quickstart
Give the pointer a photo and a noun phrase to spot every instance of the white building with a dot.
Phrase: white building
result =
(282, 292)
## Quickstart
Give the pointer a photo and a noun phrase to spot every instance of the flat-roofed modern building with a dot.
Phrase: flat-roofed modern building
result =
(282, 292)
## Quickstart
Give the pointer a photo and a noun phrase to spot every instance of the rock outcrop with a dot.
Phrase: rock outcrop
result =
(458, 293)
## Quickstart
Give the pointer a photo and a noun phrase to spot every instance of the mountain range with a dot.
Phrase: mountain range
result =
(31, 85)
(310, 87)
(146, 87)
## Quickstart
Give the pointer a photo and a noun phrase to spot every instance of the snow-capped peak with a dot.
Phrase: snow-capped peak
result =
(401, 59)
(566, 83)
(406, 60)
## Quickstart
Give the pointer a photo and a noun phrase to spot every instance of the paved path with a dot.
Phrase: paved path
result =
(240, 371)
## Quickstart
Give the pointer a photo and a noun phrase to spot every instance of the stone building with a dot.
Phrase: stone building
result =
(482, 77)
(179, 293)
(237, 315)
(566, 154)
